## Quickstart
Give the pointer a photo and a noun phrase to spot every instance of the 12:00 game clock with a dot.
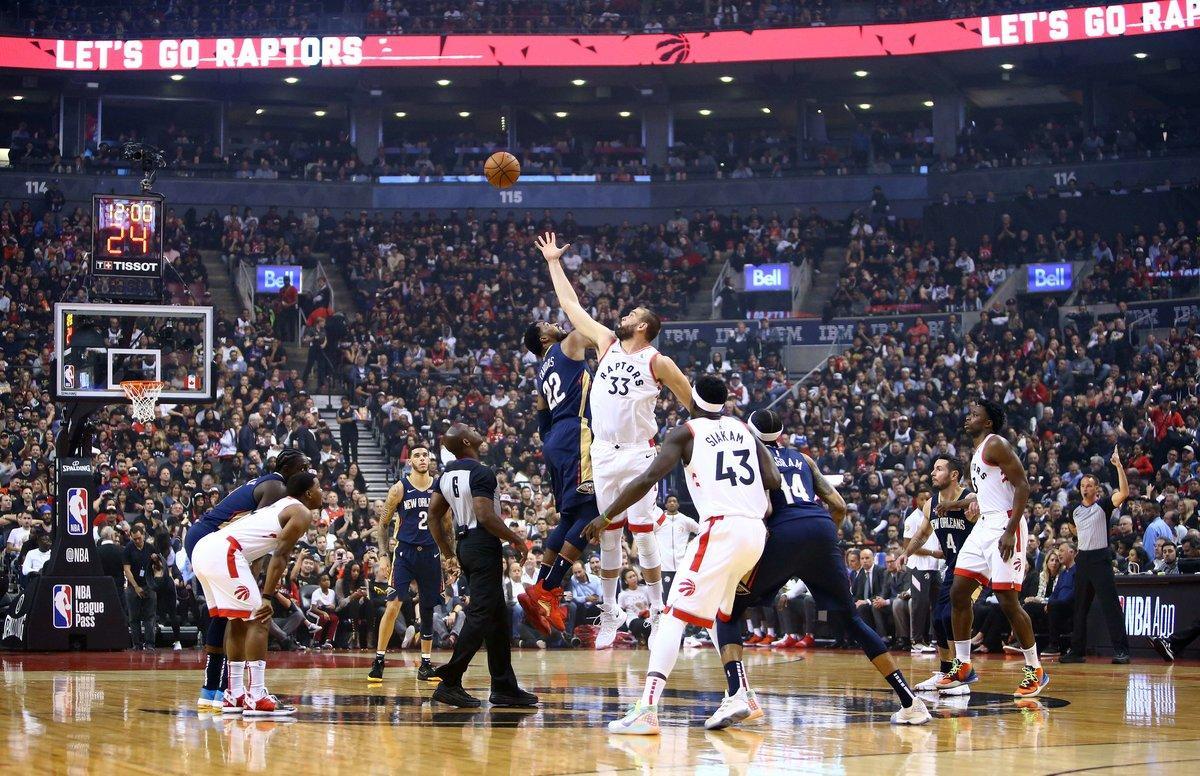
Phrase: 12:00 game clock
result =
(127, 235)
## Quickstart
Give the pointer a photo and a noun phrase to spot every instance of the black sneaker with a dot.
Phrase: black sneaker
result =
(1120, 658)
(376, 673)
(1071, 656)
(427, 673)
(513, 698)
(455, 696)
(1163, 648)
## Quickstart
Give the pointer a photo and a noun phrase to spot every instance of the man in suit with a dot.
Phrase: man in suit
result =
(898, 589)
(869, 588)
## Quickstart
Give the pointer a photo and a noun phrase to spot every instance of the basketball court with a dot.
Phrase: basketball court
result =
(827, 712)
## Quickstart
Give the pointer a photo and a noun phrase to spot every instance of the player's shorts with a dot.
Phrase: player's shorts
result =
(979, 557)
(805, 548)
(613, 467)
(229, 585)
(715, 563)
(419, 563)
(567, 452)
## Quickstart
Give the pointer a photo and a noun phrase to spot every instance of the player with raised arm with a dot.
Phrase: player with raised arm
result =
(415, 557)
(729, 473)
(949, 515)
(630, 374)
(222, 562)
(994, 552)
(564, 424)
(257, 493)
(802, 541)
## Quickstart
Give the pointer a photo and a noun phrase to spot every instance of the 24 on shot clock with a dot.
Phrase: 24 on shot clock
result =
(127, 236)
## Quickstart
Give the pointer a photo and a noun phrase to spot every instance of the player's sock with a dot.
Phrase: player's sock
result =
(213, 667)
(258, 678)
(655, 683)
(426, 657)
(554, 576)
(654, 591)
(664, 651)
(544, 571)
(735, 676)
(944, 666)
(771, 632)
(237, 678)
(1031, 656)
(962, 651)
(900, 686)
(609, 587)
(380, 655)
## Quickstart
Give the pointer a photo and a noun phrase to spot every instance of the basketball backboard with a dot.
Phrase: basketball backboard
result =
(97, 346)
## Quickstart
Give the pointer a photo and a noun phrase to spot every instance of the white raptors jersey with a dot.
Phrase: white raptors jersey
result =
(723, 476)
(992, 488)
(257, 532)
(623, 396)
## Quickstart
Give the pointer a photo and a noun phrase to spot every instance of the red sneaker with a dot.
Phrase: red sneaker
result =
(807, 641)
(232, 705)
(556, 613)
(267, 706)
(757, 641)
(537, 611)
(786, 642)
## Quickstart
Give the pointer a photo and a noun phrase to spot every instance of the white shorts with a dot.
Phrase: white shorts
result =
(614, 467)
(979, 559)
(229, 585)
(715, 562)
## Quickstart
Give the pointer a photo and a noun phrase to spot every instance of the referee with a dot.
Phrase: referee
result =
(1093, 566)
(466, 490)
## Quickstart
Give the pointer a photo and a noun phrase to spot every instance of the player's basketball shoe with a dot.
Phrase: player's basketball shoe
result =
(207, 696)
(608, 622)
(1032, 682)
(787, 642)
(426, 672)
(232, 705)
(640, 720)
(734, 709)
(960, 673)
(266, 705)
(538, 604)
(375, 675)
(930, 684)
(916, 714)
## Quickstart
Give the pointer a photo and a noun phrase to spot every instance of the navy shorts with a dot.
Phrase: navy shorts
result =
(201, 528)
(420, 563)
(566, 451)
(941, 607)
(805, 548)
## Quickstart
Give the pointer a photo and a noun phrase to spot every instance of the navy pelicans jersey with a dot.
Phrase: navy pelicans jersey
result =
(238, 502)
(951, 529)
(795, 500)
(564, 383)
(412, 516)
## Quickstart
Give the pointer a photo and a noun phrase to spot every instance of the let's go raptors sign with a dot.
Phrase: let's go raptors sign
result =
(876, 40)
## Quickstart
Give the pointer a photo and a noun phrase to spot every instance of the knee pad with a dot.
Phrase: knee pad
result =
(870, 641)
(610, 550)
(647, 547)
(214, 635)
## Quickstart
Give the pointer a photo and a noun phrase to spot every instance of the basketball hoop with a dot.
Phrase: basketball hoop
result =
(143, 395)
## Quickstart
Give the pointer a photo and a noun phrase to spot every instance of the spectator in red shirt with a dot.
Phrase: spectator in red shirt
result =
(1165, 417)
(286, 325)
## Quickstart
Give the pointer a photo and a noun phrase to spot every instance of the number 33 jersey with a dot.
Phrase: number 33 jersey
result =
(623, 396)
(723, 474)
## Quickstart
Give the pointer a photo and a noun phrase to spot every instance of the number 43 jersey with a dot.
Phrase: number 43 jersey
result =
(723, 474)
(795, 500)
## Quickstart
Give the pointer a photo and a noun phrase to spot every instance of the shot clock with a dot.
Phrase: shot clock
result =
(127, 236)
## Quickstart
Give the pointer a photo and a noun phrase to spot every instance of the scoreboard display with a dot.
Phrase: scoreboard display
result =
(127, 236)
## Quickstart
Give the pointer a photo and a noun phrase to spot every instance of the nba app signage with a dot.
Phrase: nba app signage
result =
(1148, 615)
(1049, 277)
(71, 606)
(768, 277)
(271, 277)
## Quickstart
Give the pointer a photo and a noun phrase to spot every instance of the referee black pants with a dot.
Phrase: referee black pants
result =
(1094, 579)
(487, 621)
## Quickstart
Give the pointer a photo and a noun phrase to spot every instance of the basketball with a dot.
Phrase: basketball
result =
(502, 169)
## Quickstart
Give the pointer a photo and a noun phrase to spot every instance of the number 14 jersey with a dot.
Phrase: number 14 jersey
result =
(795, 500)
(723, 475)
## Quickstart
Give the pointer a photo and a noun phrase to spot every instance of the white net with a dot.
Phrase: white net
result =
(143, 396)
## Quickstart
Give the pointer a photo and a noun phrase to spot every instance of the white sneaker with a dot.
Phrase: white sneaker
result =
(177, 647)
(410, 637)
(916, 714)
(928, 649)
(609, 621)
(756, 712)
(962, 689)
(692, 641)
(640, 720)
(930, 684)
(733, 709)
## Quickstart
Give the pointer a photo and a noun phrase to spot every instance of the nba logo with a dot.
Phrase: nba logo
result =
(77, 511)
(69, 376)
(63, 610)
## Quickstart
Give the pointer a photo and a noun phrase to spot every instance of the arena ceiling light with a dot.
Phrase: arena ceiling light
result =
(400, 114)
(176, 76)
(624, 114)
(765, 109)
(1140, 55)
(863, 106)
(18, 97)
(443, 82)
(318, 113)
(862, 73)
(928, 103)
(705, 112)
(1007, 66)
(291, 79)
(726, 79)
(562, 114)
(579, 82)
(464, 114)
(260, 111)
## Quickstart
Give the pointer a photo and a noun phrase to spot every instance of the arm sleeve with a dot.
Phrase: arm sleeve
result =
(483, 482)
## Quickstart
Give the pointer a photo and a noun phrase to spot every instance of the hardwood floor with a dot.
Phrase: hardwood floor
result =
(827, 712)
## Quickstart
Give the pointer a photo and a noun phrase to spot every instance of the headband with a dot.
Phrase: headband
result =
(766, 436)
(707, 406)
